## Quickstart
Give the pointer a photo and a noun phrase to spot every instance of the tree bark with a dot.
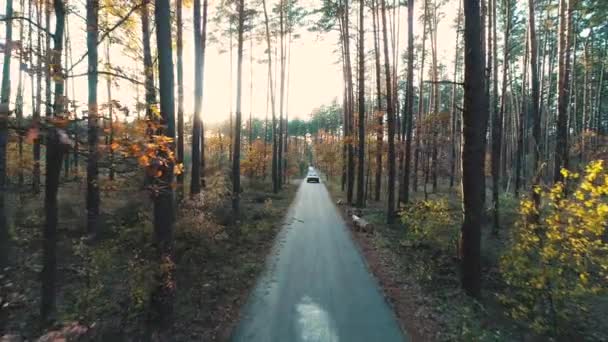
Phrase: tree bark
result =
(563, 85)
(390, 211)
(453, 110)
(520, 176)
(475, 118)
(36, 114)
(361, 88)
(535, 85)
(110, 138)
(420, 101)
(281, 64)
(164, 209)
(5, 93)
(350, 169)
(54, 156)
(498, 115)
(148, 66)
(409, 101)
(275, 184)
(203, 48)
(236, 155)
(195, 181)
(180, 93)
(92, 198)
(379, 114)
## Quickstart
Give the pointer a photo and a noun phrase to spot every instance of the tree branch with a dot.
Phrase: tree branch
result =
(444, 82)
(107, 33)
(29, 20)
(107, 73)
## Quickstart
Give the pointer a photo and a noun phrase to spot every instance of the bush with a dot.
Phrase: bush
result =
(430, 222)
(558, 256)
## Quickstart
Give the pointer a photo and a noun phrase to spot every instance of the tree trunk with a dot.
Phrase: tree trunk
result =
(54, 156)
(164, 210)
(350, 169)
(379, 113)
(110, 140)
(275, 184)
(148, 66)
(180, 93)
(5, 93)
(420, 102)
(195, 181)
(497, 117)
(475, 118)
(535, 85)
(563, 85)
(409, 101)
(521, 150)
(390, 211)
(453, 111)
(236, 155)
(93, 197)
(436, 99)
(281, 65)
(36, 116)
(361, 88)
(19, 102)
(203, 48)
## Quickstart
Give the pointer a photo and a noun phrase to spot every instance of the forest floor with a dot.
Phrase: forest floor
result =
(106, 284)
(422, 282)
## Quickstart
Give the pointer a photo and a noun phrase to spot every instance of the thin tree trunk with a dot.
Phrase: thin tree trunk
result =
(110, 113)
(420, 101)
(521, 150)
(561, 145)
(281, 91)
(36, 116)
(535, 101)
(148, 66)
(379, 113)
(202, 91)
(195, 181)
(275, 184)
(93, 197)
(5, 93)
(54, 156)
(19, 102)
(180, 94)
(497, 120)
(361, 88)
(585, 119)
(409, 101)
(350, 174)
(436, 98)
(390, 212)
(453, 111)
(236, 155)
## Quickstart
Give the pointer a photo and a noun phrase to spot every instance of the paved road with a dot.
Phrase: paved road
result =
(316, 287)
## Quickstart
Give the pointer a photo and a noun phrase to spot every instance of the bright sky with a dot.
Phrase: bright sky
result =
(315, 77)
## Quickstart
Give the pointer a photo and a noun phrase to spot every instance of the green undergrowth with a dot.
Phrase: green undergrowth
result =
(423, 247)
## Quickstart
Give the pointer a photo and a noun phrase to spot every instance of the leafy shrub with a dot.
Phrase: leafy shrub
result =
(558, 256)
(430, 222)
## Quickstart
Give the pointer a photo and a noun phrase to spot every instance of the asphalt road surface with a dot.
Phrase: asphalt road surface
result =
(316, 286)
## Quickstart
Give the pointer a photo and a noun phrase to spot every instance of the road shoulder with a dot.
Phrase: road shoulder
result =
(411, 305)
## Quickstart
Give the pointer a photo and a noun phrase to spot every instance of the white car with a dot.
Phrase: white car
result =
(312, 178)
